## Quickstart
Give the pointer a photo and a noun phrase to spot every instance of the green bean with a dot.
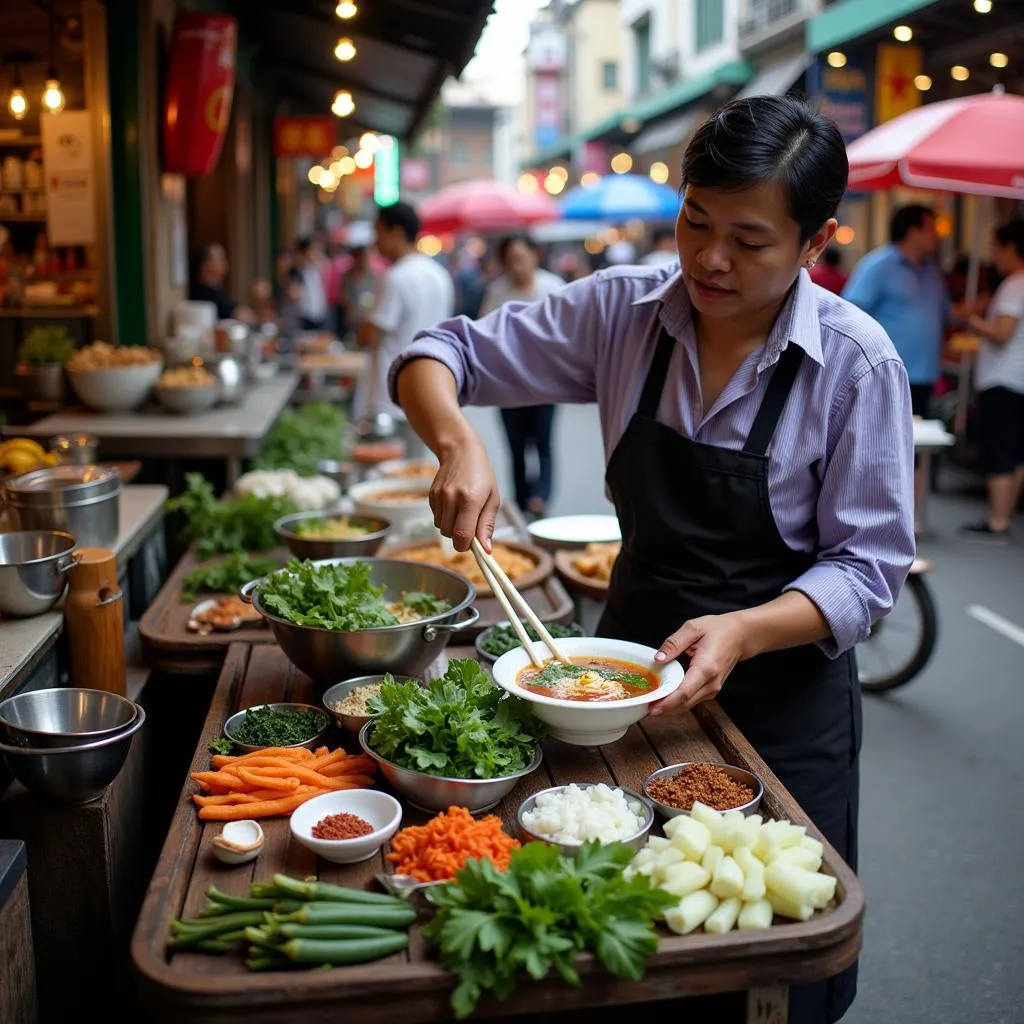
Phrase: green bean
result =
(225, 899)
(259, 938)
(399, 916)
(289, 930)
(188, 933)
(212, 946)
(324, 891)
(344, 951)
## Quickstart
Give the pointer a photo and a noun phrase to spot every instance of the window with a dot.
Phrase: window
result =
(642, 49)
(460, 154)
(710, 23)
(609, 75)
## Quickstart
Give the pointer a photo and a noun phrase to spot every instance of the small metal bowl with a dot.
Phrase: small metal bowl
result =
(311, 744)
(739, 774)
(569, 849)
(435, 793)
(337, 692)
(64, 717)
(575, 629)
(342, 473)
(317, 548)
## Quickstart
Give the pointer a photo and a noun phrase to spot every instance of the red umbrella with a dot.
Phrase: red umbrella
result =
(974, 145)
(484, 206)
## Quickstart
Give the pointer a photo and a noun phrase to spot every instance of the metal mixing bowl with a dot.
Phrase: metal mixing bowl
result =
(635, 841)
(435, 793)
(34, 568)
(344, 474)
(739, 774)
(72, 775)
(322, 549)
(188, 400)
(327, 655)
(237, 718)
(337, 692)
(64, 716)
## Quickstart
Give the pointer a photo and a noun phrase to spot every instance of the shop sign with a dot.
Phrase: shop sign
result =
(844, 94)
(386, 174)
(547, 110)
(70, 178)
(198, 92)
(591, 157)
(303, 136)
(896, 67)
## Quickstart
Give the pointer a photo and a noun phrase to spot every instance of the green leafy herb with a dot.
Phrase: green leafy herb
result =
(302, 437)
(502, 639)
(493, 927)
(278, 727)
(338, 597)
(47, 344)
(226, 576)
(556, 670)
(460, 726)
(245, 523)
(221, 745)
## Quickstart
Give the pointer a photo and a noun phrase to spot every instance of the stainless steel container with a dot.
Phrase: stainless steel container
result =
(339, 691)
(34, 567)
(75, 449)
(319, 548)
(436, 793)
(73, 775)
(230, 373)
(329, 655)
(80, 500)
(64, 716)
(739, 774)
(41, 383)
(235, 720)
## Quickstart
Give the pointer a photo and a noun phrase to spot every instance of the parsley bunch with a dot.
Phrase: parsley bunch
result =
(491, 927)
(460, 726)
(302, 437)
(227, 576)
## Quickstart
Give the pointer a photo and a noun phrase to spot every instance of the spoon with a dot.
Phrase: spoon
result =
(403, 886)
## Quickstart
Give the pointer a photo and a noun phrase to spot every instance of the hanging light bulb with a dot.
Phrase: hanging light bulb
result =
(346, 9)
(343, 104)
(53, 94)
(17, 102)
(345, 49)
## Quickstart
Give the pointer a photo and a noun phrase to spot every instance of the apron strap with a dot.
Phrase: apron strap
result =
(650, 397)
(774, 401)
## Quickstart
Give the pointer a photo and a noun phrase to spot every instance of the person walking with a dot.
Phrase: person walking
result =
(528, 427)
(902, 287)
(312, 305)
(357, 293)
(999, 379)
(416, 293)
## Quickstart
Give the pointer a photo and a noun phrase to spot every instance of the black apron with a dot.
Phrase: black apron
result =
(699, 538)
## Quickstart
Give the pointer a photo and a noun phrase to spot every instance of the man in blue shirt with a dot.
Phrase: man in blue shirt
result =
(901, 286)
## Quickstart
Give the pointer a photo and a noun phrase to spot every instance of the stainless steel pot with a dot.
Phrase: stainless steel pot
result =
(321, 548)
(80, 500)
(328, 655)
(75, 449)
(41, 383)
(34, 569)
(230, 372)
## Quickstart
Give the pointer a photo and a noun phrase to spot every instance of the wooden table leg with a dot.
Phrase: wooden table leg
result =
(768, 1005)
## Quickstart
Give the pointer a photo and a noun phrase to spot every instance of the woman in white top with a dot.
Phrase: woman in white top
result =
(999, 379)
(528, 426)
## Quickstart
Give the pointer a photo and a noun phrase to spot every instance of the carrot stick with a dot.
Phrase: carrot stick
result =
(265, 779)
(258, 809)
(358, 765)
(334, 757)
(297, 771)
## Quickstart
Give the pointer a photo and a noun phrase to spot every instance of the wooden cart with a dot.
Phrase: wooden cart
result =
(412, 986)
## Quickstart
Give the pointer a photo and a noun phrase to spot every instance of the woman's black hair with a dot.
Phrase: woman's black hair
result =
(753, 141)
(509, 240)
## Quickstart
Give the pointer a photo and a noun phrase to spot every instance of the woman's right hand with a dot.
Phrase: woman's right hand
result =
(464, 495)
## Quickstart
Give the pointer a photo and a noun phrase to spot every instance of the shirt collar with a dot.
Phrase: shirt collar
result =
(797, 322)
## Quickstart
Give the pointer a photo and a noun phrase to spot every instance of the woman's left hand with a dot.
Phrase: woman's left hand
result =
(714, 643)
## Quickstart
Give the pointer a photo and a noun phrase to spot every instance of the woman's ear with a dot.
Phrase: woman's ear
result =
(816, 245)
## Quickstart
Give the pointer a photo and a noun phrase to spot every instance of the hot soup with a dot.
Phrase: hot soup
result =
(588, 679)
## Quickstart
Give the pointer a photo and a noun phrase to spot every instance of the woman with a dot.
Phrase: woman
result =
(526, 427)
(760, 451)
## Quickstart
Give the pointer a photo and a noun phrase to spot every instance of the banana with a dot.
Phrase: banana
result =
(23, 444)
(19, 460)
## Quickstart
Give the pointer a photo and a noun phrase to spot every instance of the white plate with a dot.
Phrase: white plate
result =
(575, 531)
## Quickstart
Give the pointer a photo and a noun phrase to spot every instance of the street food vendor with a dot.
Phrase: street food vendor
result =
(759, 446)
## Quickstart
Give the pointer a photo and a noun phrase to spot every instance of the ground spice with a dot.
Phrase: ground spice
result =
(341, 826)
(708, 783)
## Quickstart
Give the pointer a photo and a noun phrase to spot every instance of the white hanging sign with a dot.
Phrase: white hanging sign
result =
(70, 177)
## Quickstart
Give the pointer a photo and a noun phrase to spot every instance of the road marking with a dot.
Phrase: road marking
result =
(1003, 626)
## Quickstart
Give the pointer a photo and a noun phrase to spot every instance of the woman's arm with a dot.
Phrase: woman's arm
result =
(999, 331)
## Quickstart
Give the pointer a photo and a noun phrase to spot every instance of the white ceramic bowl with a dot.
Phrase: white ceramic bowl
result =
(115, 388)
(408, 469)
(383, 812)
(371, 499)
(589, 723)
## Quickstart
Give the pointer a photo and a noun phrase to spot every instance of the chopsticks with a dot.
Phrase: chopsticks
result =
(509, 598)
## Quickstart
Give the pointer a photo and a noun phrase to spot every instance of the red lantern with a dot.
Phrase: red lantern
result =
(198, 91)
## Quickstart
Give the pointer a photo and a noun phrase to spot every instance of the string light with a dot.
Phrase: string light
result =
(345, 49)
(903, 33)
(347, 165)
(554, 184)
(346, 9)
(622, 163)
(369, 142)
(959, 72)
(998, 60)
(983, 6)
(590, 179)
(528, 184)
(363, 159)
(53, 94)
(836, 59)
(343, 104)
(315, 174)
(922, 82)
(844, 234)
(659, 172)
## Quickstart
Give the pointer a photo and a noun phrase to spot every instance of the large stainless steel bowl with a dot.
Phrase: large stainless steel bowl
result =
(435, 793)
(72, 775)
(339, 691)
(34, 567)
(64, 716)
(321, 549)
(188, 401)
(328, 655)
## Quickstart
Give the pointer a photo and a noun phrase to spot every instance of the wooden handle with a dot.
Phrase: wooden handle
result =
(93, 614)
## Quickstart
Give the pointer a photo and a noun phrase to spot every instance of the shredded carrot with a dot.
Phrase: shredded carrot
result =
(436, 851)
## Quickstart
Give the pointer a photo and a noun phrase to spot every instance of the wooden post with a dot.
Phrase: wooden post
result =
(17, 959)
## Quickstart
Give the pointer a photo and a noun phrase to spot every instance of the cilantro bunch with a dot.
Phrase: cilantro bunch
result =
(302, 437)
(492, 927)
(460, 726)
(227, 576)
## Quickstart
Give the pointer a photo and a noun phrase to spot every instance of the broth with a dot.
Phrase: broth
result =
(588, 679)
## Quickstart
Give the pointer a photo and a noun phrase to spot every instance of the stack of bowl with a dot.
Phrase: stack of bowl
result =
(65, 744)
(34, 566)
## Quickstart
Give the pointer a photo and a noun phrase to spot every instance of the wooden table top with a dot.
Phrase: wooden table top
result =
(412, 986)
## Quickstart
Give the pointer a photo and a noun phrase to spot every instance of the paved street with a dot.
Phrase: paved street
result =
(944, 939)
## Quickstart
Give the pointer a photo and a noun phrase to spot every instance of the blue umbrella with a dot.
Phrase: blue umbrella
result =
(619, 197)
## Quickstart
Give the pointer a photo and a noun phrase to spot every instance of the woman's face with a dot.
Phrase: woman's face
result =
(520, 263)
(740, 251)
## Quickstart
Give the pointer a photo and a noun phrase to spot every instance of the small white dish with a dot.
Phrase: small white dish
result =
(575, 531)
(238, 842)
(382, 811)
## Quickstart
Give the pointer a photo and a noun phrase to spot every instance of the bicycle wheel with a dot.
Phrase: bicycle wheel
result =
(901, 644)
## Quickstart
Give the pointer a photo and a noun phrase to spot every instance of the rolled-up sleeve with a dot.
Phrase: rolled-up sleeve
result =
(865, 511)
(520, 354)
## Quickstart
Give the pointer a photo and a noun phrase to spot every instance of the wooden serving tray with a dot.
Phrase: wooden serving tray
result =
(411, 986)
(576, 581)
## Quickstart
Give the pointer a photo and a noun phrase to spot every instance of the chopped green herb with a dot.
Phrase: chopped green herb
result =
(221, 745)
(503, 639)
(302, 437)
(555, 670)
(227, 576)
(278, 727)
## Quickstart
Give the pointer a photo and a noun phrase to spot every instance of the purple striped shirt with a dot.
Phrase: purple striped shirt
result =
(841, 462)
